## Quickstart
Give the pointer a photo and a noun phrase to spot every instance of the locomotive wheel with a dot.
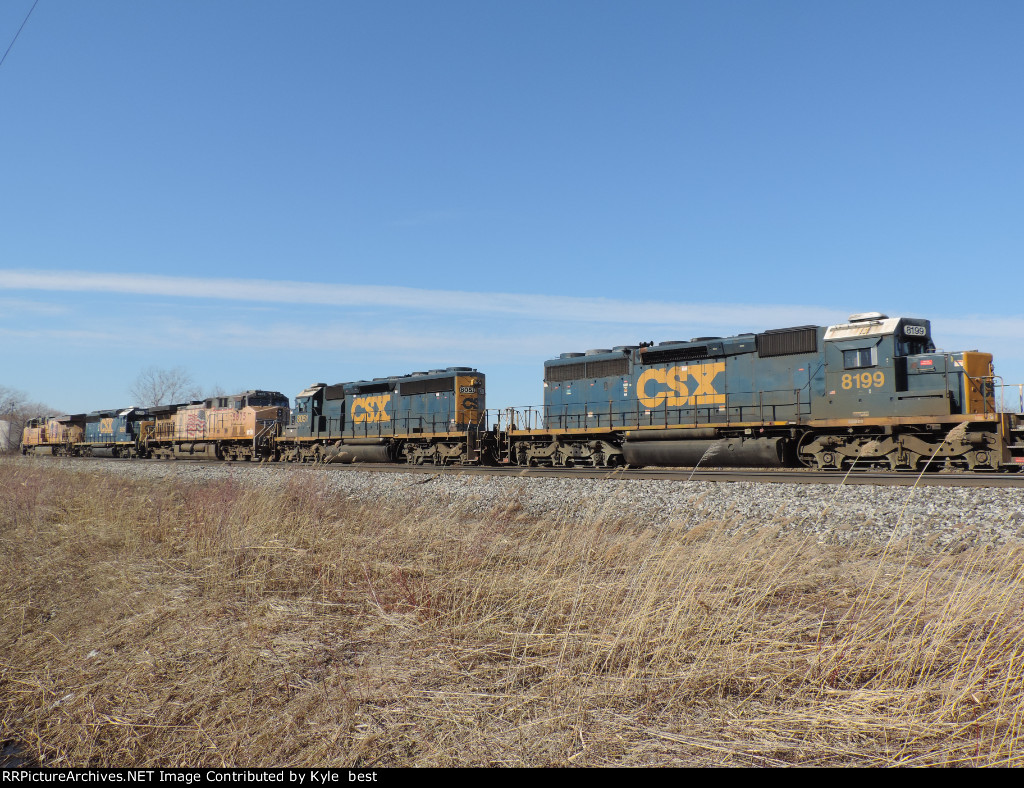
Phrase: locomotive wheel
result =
(807, 460)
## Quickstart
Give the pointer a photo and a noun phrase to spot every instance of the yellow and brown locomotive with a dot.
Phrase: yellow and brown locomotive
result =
(237, 427)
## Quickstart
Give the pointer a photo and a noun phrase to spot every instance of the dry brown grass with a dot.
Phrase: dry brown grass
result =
(217, 625)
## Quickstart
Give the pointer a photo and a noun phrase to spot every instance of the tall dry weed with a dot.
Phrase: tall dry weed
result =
(217, 623)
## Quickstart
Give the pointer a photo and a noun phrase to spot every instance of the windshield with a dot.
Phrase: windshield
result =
(913, 347)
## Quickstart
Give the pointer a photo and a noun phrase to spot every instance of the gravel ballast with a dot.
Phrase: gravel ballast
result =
(934, 516)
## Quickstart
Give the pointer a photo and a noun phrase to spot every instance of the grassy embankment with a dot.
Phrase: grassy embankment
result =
(218, 625)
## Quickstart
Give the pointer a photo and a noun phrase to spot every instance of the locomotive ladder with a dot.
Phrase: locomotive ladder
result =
(261, 437)
(1015, 437)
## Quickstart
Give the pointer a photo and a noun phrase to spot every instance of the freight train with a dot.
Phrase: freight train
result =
(872, 392)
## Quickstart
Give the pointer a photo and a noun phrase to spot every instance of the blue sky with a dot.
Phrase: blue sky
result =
(490, 184)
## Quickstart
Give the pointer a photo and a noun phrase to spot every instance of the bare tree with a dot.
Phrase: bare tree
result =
(10, 399)
(156, 386)
(15, 410)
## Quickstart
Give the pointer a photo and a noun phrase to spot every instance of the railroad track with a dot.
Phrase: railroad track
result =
(764, 476)
(774, 476)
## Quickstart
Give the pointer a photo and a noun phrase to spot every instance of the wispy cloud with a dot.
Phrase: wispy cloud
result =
(449, 302)
(235, 329)
(500, 324)
(413, 343)
(77, 336)
(12, 306)
(387, 339)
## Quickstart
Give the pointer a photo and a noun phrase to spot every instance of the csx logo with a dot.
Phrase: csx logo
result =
(676, 387)
(370, 409)
(106, 426)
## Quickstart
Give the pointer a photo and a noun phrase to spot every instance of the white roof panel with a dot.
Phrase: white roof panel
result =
(865, 328)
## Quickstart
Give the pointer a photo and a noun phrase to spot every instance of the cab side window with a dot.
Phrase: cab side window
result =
(858, 358)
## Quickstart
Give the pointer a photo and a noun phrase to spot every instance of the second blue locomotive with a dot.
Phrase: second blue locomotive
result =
(430, 417)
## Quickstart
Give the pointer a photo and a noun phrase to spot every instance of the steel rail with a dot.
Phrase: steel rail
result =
(724, 475)
(772, 476)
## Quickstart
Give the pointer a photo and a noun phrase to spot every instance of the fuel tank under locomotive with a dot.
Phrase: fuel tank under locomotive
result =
(196, 451)
(359, 450)
(662, 449)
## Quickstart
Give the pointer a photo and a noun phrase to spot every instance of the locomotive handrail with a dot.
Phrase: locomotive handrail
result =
(978, 385)
(1014, 388)
(602, 414)
(268, 426)
(409, 422)
(526, 417)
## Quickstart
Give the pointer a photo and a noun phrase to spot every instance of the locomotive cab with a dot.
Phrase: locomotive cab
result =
(308, 418)
(881, 366)
(261, 399)
(34, 436)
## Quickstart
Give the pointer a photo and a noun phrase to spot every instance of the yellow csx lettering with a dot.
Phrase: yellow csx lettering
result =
(370, 409)
(106, 426)
(674, 391)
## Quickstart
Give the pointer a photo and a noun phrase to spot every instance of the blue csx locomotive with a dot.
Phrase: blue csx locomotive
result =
(870, 392)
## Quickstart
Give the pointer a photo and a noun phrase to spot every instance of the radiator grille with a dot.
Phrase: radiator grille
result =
(692, 353)
(611, 367)
(565, 372)
(608, 368)
(373, 388)
(787, 341)
(431, 386)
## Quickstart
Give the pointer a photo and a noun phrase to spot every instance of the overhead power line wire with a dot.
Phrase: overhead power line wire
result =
(33, 8)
